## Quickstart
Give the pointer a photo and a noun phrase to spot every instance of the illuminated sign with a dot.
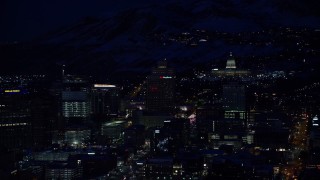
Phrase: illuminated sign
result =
(103, 85)
(165, 77)
(12, 91)
(13, 124)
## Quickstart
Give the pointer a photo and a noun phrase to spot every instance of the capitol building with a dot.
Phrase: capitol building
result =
(230, 70)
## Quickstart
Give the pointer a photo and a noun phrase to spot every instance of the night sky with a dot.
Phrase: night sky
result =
(24, 20)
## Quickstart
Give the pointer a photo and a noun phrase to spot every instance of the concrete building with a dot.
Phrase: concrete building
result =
(63, 170)
(113, 129)
(105, 100)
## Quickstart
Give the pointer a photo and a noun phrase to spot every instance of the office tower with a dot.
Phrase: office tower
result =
(44, 115)
(272, 130)
(75, 100)
(232, 128)
(26, 111)
(105, 100)
(160, 89)
(234, 97)
(207, 122)
(15, 119)
(315, 133)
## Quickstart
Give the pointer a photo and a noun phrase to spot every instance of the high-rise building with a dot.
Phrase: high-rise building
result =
(75, 100)
(206, 116)
(234, 97)
(231, 129)
(160, 89)
(105, 100)
(27, 111)
(234, 103)
(315, 133)
(15, 119)
(44, 116)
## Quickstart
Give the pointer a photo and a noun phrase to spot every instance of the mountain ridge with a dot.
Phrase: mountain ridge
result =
(134, 39)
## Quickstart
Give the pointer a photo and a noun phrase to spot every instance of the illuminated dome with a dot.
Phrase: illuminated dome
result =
(231, 70)
(231, 62)
(162, 64)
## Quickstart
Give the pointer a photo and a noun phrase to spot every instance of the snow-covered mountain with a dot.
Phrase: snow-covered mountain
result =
(135, 38)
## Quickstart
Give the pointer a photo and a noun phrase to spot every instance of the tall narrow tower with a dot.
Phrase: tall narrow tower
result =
(63, 68)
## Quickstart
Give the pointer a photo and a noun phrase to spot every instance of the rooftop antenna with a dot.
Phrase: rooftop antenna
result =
(63, 70)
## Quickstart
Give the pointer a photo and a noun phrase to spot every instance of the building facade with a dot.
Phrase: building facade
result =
(160, 89)
(75, 100)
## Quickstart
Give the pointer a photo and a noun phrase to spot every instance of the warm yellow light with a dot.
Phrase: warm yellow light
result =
(12, 91)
